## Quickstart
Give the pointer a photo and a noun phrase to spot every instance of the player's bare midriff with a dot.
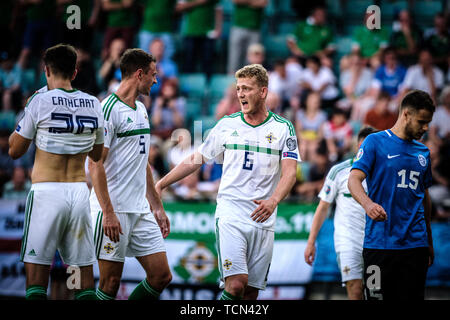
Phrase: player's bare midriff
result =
(51, 167)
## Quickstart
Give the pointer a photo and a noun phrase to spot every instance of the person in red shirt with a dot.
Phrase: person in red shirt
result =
(380, 117)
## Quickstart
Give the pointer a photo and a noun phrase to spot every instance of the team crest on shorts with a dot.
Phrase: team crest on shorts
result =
(227, 264)
(108, 248)
(422, 160)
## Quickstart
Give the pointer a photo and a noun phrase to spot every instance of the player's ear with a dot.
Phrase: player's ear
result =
(74, 74)
(264, 92)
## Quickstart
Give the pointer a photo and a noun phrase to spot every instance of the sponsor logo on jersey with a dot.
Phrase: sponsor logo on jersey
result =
(422, 160)
(290, 155)
(291, 144)
(270, 137)
(32, 253)
(235, 134)
(359, 154)
(129, 120)
(227, 264)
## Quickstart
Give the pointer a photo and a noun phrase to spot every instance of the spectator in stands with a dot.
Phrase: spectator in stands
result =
(338, 135)
(10, 83)
(19, 185)
(203, 24)
(440, 125)
(245, 30)
(424, 76)
(6, 162)
(40, 28)
(310, 187)
(390, 75)
(379, 117)
(157, 22)
(187, 187)
(168, 112)
(229, 103)
(406, 38)
(82, 37)
(86, 79)
(309, 123)
(312, 36)
(440, 188)
(320, 79)
(438, 40)
(209, 180)
(120, 23)
(369, 42)
(256, 54)
(355, 81)
(155, 158)
(167, 69)
(111, 66)
(273, 103)
(284, 80)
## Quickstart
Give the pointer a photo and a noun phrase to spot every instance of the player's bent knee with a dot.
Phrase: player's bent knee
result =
(111, 284)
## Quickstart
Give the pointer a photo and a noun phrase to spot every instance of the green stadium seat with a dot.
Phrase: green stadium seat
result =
(7, 120)
(344, 45)
(28, 80)
(424, 10)
(334, 8)
(355, 9)
(219, 84)
(193, 85)
(286, 27)
(276, 47)
(389, 8)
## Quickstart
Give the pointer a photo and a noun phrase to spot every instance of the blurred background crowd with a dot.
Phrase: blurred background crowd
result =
(329, 74)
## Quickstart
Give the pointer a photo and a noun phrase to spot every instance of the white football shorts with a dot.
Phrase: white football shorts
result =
(57, 216)
(350, 264)
(141, 237)
(244, 249)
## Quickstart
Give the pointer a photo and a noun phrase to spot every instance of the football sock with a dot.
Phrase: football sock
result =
(228, 296)
(36, 293)
(144, 291)
(86, 294)
(101, 295)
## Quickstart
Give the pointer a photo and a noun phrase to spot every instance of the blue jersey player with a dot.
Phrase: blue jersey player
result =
(398, 246)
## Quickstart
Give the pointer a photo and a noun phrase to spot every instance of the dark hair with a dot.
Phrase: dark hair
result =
(417, 100)
(61, 60)
(314, 59)
(384, 95)
(389, 50)
(364, 132)
(134, 59)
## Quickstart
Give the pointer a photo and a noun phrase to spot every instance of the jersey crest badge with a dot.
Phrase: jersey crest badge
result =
(422, 160)
(270, 137)
(359, 154)
(227, 264)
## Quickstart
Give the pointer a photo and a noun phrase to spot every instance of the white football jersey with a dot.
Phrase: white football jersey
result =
(62, 122)
(252, 158)
(349, 216)
(127, 136)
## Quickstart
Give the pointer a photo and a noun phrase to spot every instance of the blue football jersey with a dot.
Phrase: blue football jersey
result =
(398, 173)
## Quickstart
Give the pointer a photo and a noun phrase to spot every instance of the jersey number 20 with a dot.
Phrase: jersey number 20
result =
(70, 125)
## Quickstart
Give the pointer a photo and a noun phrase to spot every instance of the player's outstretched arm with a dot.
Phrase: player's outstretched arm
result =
(111, 224)
(156, 204)
(373, 210)
(183, 169)
(319, 218)
(18, 145)
(266, 207)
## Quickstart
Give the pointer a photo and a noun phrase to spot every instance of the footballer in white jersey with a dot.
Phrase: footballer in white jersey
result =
(349, 224)
(127, 136)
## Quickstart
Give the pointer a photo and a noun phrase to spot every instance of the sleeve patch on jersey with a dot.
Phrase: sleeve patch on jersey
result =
(18, 128)
(291, 144)
(359, 154)
(290, 155)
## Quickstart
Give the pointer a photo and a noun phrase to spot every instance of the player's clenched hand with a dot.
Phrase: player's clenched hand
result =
(264, 210)
(163, 221)
(111, 226)
(310, 253)
(376, 212)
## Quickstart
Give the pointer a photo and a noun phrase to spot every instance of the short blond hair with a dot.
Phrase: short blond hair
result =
(256, 71)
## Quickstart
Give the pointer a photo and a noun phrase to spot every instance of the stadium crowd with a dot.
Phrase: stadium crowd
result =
(328, 80)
